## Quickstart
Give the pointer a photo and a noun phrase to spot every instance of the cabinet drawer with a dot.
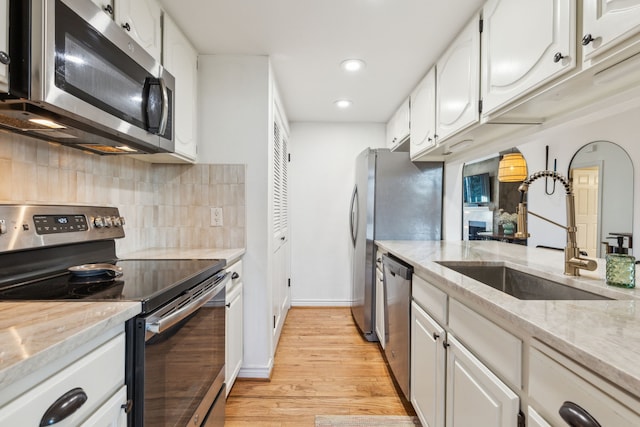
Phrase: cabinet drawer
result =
(430, 299)
(496, 347)
(100, 374)
(552, 382)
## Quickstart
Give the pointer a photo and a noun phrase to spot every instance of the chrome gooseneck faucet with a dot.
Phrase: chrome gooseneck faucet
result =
(572, 260)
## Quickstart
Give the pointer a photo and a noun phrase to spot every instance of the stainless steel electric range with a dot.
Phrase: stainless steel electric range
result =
(175, 347)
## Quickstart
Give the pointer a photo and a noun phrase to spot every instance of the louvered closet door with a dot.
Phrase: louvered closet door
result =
(281, 253)
(280, 186)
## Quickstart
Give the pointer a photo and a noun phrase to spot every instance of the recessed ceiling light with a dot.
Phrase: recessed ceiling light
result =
(352, 65)
(343, 103)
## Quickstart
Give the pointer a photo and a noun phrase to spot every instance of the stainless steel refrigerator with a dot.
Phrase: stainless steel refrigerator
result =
(393, 199)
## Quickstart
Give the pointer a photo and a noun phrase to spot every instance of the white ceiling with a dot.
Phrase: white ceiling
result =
(307, 39)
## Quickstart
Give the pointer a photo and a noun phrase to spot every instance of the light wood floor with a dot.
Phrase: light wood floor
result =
(322, 367)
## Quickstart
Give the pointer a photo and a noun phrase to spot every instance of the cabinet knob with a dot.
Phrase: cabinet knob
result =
(588, 38)
(4, 58)
(234, 275)
(576, 416)
(228, 305)
(109, 9)
(126, 26)
(445, 344)
(557, 57)
(436, 336)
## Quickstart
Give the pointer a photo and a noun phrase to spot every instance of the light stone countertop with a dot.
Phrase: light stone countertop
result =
(36, 334)
(230, 255)
(603, 335)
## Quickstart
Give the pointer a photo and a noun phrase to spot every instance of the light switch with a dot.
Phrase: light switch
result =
(216, 217)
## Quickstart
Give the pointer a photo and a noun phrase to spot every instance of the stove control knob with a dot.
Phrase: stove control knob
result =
(98, 222)
(116, 221)
(3, 226)
(108, 221)
(122, 220)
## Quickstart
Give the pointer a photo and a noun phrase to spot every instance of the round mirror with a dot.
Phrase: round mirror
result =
(601, 173)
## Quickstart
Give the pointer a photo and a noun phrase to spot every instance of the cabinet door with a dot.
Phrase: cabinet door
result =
(398, 127)
(519, 54)
(234, 335)
(380, 305)
(535, 419)
(4, 44)
(112, 413)
(428, 361)
(423, 115)
(475, 396)
(181, 59)
(106, 5)
(608, 22)
(141, 19)
(458, 83)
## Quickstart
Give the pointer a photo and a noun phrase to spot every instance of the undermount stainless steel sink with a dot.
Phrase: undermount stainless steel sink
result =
(518, 284)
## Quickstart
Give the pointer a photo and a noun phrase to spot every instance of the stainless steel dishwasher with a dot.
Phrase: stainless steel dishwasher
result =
(397, 291)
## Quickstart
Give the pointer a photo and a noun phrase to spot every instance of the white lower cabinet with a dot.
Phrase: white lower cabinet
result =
(111, 414)
(555, 380)
(88, 392)
(428, 364)
(535, 419)
(234, 324)
(380, 302)
(476, 396)
(450, 386)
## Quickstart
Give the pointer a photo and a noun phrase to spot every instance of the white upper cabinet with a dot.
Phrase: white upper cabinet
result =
(4, 45)
(106, 5)
(423, 115)
(181, 60)
(606, 23)
(524, 45)
(141, 19)
(458, 82)
(398, 127)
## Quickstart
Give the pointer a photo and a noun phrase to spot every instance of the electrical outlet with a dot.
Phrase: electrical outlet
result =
(216, 217)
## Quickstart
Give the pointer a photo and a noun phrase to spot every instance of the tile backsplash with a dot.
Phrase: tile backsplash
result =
(165, 205)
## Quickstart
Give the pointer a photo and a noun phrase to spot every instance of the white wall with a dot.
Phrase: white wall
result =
(321, 179)
(234, 128)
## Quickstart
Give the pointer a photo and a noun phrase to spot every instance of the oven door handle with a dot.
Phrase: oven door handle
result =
(157, 325)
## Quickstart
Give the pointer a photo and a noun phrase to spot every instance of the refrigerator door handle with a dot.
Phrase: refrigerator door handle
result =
(353, 219)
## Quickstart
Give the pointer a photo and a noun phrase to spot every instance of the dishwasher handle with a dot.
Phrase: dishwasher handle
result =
(396, 267)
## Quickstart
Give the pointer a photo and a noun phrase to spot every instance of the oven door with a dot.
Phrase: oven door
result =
(81, 65)
(180, 355)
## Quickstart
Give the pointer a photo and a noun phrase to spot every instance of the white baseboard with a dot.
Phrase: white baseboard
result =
(258, 372)
(320, 303)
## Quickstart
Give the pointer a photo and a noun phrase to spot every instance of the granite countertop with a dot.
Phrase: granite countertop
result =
(603, 335)
(231, 255)
(34, 334)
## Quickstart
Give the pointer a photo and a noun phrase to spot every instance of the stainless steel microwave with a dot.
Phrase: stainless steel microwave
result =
(77, 78)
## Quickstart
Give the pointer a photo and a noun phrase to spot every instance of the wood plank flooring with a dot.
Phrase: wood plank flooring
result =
(322, 366)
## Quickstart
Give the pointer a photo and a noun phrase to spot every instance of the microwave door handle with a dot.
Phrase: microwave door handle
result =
(165, 107)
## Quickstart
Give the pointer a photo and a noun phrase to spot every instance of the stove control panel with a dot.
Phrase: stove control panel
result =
(49, 224)
(33, 226)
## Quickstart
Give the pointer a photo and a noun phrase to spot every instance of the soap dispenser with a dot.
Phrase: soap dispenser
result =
(621, 267)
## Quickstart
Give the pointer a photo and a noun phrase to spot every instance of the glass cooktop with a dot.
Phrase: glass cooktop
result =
(153, 282)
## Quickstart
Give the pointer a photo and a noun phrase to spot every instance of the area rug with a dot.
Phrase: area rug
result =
(366, 421)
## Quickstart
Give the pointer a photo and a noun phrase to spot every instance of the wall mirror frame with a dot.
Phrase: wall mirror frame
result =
(601, 173)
